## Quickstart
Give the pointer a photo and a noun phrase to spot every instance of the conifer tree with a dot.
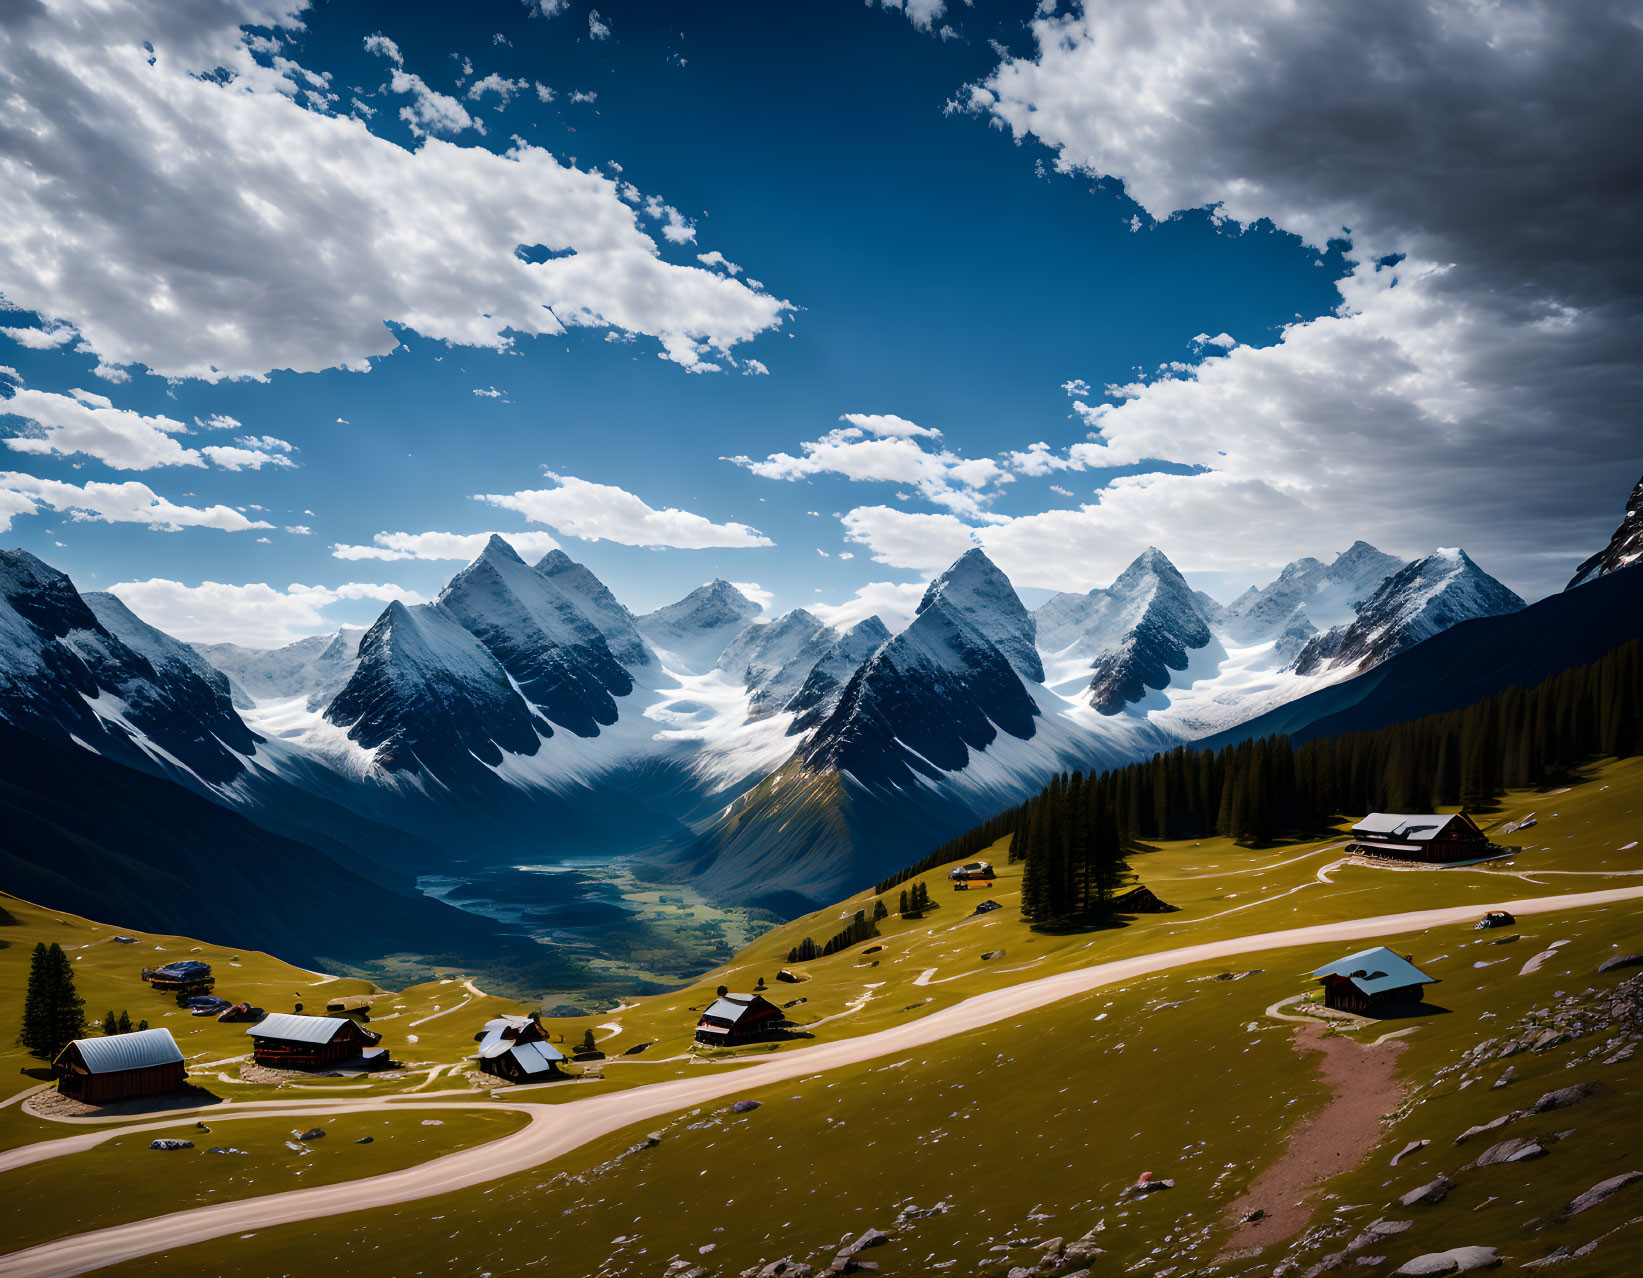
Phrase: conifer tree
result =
(110, 1025)
(123, 1026)
(53, 1013)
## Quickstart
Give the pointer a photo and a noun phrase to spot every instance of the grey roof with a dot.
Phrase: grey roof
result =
(298, 1029)
(1376, 970)
(537, 1058)
(1403, 825)
(137, 1050)
(495, 1041)
(732, 1007)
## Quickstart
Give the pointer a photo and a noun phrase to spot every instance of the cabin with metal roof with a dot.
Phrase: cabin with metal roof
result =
(738, 1018)
(185, 976)
(285, 1040)
(516, 1048)
(974, 870)
(1420, 837)
(1372, 978)
(120, 1067)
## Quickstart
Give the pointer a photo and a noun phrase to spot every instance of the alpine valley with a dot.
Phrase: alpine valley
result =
(527, 717)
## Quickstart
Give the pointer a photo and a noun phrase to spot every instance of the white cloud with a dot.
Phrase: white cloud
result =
(1225, 341)
(676, 227)
(581, 96)
(336, 232)
(598, 28)
(1076, 387)
(921, 13)
(715, 258)
(255, 614)
(886, 449)
(41, 339)
(543, 92)
(221, 421)
(754, 591)
(86, 424)
(503, 87)
(238, 458)
(546, 8)
(754, 368)
(125, 503)
(1482, 388)
(488, 392)
(893, 603)
(299, 530)
(602, 512)
(444, 545)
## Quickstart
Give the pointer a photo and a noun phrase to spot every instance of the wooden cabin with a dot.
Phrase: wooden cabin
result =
(284, 1040)
(120, 1067)
(1417, 837)
(186, 976)
(1370, 979)
(738, 1018)
(516, 1048)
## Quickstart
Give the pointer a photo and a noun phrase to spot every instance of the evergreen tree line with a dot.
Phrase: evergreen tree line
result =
(121, 1024)
(915, 901)
(1076, 834)
(861, 929)
(54, 1014)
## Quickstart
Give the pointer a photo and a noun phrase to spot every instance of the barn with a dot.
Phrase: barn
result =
(738, 1018)
(1372, 978)
(120, 1067)
(516, 1048)
(284, 1040)
(1421, 837)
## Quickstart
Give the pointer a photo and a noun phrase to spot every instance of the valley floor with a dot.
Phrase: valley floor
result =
(975, 1108)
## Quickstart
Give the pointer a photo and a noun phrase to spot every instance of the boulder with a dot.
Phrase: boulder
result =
(1408, 1149)
(1515, 1150)
(990, 955)
(1601, 1192)
(1489, 1126)
(1564, 1097)
(224, 1149)
(1378, 1231)
(1141, 900)
(872, 1238)
(787, 977)
(174, 1144)
(1619, 961)
(986, 907)
(365, 1140)
(744, 1106)
(1434, 1191)
(313, 1133)
(1505, 1078)
(1458, 1260)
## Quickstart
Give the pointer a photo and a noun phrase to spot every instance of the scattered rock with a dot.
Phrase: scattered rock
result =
(365, 1140)
(1459, 1260)
(990, 955)
(986, 907)
(1434, 1191)
(1505, 1078)
(188, 1144)
(313, 1133)
(787, 977)
(1600, 1192)
(1408, 1149)
(1141, 900)
(1515, 1150)
(872, 1238)
(1377, 1232)
(744, 1106)
(1143, 1188)
(1488, 1127)
(1619, 961)
(1564, 1097)
(433, 1122)
(220, 1149)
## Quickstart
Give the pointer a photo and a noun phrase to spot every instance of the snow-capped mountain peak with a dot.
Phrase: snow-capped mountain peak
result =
(594, 599)
(975, 589)
(695, 630)
(1416, 602)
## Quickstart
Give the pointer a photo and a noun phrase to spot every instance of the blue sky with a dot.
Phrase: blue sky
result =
(899, 190)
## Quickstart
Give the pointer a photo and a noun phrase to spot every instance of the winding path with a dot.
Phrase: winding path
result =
(556, 1130)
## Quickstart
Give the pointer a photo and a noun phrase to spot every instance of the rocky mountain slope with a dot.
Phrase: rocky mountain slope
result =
(1418, 601)
(1625, 546)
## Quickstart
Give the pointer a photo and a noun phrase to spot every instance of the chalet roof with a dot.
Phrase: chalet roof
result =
(1403, 825)
(1376, 970)
(536, 1058)
(495, 1039)
(732, 1007)
(138, 1050)
(292, 1028)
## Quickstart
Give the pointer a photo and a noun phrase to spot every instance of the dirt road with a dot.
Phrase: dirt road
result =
(568, 1125)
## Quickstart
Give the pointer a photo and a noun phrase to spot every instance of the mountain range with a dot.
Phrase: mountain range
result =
(773, 761)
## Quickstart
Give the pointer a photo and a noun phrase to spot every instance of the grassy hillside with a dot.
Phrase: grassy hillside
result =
(1011, 1134)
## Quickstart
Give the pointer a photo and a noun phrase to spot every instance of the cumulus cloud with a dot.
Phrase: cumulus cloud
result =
(603, 512)
(125, 503)
(716, 258)
(893, 603)
(754, 591)
(1479, 375)
(885, 448)
(336, 232)
(546, 8)
(240, 457)
(41, 339)
(257, 614)
(598, 28)
(444, 545)
(503, 87)
(921, 13)
(83, 423)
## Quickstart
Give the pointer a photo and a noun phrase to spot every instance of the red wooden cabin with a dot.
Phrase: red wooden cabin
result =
(287, 1041)
(120, 1067)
